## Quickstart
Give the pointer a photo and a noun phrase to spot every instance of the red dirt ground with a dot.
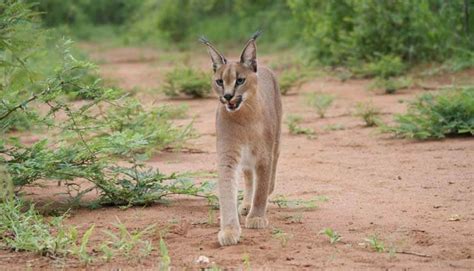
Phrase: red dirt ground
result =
(416, 196)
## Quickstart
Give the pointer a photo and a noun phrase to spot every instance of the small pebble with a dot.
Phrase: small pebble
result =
(202, 260)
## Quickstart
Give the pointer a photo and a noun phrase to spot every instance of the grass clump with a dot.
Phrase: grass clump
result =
(187, 81)
(291, 79)
(22, 228)
(320, 102)
(127, 243)
(375, 243)
(293, 122)
(283, 202)
(333, 236)
(448, 113)
(368, 112)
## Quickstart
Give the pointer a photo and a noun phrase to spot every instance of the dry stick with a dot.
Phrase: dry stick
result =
(413, 253)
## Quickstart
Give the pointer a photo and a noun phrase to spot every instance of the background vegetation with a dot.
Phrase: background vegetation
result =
(336, 32)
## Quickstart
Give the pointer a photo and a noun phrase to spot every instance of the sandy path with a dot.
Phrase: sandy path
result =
(404, 191)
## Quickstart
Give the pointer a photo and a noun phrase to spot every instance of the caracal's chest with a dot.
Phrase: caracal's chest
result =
(247, 157)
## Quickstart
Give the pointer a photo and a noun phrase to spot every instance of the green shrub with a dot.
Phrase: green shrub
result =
(436, 116)
(385, 67)
(187, 81)
(320, 102)
(368, 113)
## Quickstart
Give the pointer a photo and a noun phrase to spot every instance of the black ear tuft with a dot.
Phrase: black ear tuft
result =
(256, 34)
(203, 40)
(217, 58)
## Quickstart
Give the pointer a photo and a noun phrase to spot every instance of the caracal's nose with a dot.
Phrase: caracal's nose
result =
(228, 97)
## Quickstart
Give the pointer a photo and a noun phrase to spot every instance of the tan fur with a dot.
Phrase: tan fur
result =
(248, 140)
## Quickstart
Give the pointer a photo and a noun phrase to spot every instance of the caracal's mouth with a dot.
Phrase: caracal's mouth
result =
(234, 105)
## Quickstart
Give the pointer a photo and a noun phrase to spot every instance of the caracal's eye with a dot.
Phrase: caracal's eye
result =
(219, 82)
(239, 81)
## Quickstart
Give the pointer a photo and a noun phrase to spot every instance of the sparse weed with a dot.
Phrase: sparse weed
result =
(282, 202)
(320, 102)
(81, 250)
(246, 261)
(368, 112)
(334, 127)
(281, 236)
(293, 122)
(333, 236)
(211, 216)
(294, 219)
(29, 231)
(127, 243)
(187, 81)
(375, 243)
(176, 112)
(165, 257)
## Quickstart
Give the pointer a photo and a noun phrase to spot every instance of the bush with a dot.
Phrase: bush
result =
(320, 102)
(187, 81)
(385, 67)
(449, 113)
(390, 85)
(86, 140)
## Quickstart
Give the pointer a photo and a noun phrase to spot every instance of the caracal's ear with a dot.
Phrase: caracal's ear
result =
(249, 54)
(217, 58)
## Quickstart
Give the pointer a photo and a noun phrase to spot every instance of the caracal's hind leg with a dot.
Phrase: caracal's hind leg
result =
(244, 208)
(276, 155)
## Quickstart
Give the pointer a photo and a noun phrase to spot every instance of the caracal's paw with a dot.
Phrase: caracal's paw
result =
(256, 222)
(244, 209)
(228, 236)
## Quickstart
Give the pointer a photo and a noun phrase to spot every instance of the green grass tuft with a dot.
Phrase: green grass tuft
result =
(293, 122)
(188, 82)
(368, 112)
(320, 102)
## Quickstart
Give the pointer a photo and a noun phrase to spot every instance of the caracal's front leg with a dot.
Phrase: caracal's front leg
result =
(256, 219)
(230, 230)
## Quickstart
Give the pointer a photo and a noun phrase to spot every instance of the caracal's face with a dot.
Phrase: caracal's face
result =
(234, 83)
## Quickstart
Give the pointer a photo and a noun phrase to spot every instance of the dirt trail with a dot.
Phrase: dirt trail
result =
(416, 196)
